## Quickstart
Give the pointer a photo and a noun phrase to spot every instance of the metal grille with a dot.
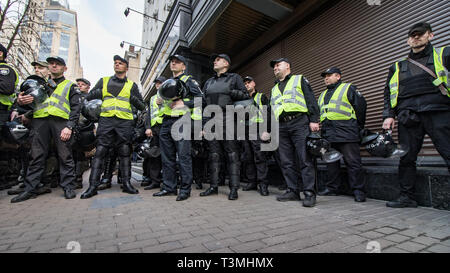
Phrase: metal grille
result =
(361, 39)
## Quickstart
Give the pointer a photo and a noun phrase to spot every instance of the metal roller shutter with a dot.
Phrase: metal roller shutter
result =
(363, 40)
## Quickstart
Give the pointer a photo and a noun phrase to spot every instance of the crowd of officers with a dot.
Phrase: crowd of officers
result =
(416, 94)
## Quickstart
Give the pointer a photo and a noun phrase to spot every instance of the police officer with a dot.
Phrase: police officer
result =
(115, 127)
(258, 169)
(8, 83)
(153, 166)
(54, 119)
(343, 116)
(81, 162)
(171, 113)
(295, 107)
(417, 94)
(223, 90)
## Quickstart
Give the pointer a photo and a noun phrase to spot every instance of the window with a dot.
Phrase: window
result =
(59, 16)
(46, 45)
(64, 45)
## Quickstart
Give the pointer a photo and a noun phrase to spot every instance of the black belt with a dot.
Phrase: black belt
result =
(290, 117)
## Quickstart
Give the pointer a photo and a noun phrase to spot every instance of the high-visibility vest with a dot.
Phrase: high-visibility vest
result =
(196, 113)
(119, 106)
(339, 107)
(57, 104)
(441, 72)
(154, 111)
(292, 100)
(5, 99)
(257, 116)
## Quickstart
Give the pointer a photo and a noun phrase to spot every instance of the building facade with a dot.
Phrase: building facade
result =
(152, 27)
(363, 38)
(60, 38)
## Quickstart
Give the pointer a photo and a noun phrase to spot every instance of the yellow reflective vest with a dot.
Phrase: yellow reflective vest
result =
(5, 99)
(57, 104)
(119, 106)
(292, 100)
(440, 71)
(339, 107)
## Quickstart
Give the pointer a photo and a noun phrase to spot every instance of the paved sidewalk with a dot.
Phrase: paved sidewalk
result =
(116, 222)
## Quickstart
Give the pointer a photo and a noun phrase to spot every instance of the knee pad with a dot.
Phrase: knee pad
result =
(124, 151)
(101, 151)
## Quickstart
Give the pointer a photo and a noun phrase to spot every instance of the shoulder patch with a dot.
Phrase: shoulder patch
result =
(4, 71)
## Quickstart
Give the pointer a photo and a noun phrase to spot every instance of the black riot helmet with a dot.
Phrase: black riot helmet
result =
(16, 133)
(383, 145)
(36, 87)
(146, 150)
(319, 147)
(91, 110)
(172, 89)
(316, 145)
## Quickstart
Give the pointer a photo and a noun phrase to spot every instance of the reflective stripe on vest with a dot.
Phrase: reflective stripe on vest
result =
(5, 99)
(292, 100)
(339, 107)
(57, 104)
(119, 106)
(154, 111)
(257, 117)
(440, 70)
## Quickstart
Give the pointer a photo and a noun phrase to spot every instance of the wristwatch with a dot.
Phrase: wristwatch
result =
(70, 128)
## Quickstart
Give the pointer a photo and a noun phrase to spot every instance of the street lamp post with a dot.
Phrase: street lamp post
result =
(127, 12)
(123, 43)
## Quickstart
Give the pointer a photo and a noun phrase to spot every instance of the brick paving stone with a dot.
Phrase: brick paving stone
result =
(411, 246)
(424, 240)
(372, 235)
(397, 238)
(247, 247)
(439, 249)
(387, 230)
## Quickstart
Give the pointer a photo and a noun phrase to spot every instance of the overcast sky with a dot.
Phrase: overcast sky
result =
(102, 26)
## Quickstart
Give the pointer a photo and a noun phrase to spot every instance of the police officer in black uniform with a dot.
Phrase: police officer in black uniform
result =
(223, 90)
(343, 116)
(257, 168)
(171, 147)
(417, 94)
(295, 107)
(81, 162)
(115, 127)
(8, 83)
(153, 166)
(54, 119)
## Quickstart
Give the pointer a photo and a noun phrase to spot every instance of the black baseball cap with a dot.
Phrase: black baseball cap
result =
(160, 79)
(421, 27)
(178, 57)
(248, 79)
(3, 49)
(83, 80)
(331, 71)
(56, 59)
(118, 58)
(274, 62)
(223, 56)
